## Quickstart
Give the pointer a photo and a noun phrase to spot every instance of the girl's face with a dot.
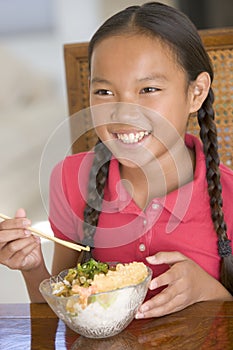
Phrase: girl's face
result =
(129, 71)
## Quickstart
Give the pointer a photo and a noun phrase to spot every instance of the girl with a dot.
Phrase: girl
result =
(154, 192)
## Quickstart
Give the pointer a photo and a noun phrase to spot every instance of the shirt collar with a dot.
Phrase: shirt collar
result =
(116, 196)
(184, 202)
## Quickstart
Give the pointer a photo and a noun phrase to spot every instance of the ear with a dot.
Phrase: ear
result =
(198, 91)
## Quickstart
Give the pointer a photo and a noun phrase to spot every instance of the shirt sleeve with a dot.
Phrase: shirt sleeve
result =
(62, 218)
(227, 194)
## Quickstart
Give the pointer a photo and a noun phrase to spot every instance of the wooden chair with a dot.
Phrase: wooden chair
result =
(219, 44)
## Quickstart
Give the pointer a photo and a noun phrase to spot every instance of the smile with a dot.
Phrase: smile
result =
(132, 137)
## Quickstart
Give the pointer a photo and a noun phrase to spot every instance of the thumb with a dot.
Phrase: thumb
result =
(20, 213)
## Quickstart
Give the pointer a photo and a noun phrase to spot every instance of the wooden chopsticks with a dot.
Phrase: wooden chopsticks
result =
(51, 238)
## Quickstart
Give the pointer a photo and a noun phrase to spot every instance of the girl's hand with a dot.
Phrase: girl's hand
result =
(19, 249)
(186, 283)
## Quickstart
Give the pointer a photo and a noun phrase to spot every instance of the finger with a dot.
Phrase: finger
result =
(26, 248)
(20, 259)
(164, 297)
(166, 258)
(16, 223)
(167, 278)
(20, 221)
(14, 253)
(20, 213)
(162, 304)
(12, 247)
(11, 235)
(164, 309)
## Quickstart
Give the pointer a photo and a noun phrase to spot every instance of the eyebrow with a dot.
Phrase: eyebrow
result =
(99, 80)
(152, 77)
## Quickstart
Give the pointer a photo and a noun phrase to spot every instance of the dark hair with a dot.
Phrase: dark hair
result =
(174, 28)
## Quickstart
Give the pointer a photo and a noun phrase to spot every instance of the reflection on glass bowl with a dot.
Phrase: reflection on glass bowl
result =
(105, 315)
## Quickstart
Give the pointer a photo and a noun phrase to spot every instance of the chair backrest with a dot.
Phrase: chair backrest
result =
(219, 45)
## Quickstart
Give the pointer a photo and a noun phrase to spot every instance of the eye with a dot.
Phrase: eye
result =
(103, 92)
(148, 90)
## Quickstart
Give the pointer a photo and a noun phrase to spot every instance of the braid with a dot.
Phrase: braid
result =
(208, 134)
(97, 180)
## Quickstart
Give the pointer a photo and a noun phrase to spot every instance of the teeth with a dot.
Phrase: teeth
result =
(132, 137)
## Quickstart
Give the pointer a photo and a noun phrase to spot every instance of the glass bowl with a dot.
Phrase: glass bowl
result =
(106, 313)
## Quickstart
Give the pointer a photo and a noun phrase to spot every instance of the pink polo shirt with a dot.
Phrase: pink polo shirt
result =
(181, 221)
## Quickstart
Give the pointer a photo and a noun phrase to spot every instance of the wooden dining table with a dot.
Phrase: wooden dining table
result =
(203, 326)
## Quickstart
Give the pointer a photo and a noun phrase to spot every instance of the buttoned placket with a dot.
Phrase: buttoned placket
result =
(144, 240)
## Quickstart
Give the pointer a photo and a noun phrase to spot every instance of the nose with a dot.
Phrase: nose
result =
(126, 113)
(119, 113)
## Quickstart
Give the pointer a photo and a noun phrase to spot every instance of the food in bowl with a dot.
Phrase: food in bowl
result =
(97, 299)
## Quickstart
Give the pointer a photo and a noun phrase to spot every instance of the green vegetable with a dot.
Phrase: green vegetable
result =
(105, 300)
(84, 273)
(81, 275)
